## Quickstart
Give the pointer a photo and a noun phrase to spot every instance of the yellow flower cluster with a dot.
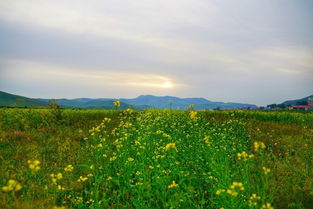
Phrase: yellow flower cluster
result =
(267, 206)
(112, 158)
(34, 165)
(55, 177)
(193, 115)
(117, 103)
(207, 140)
(258, 145)
(171, 146)
(172, 185)
(253, 200)
(244, 156)
(266, 170)
(61, 188)
(233, 189)
(220, 191)
(59, 207)
(82, 179)
(130, 159)
(12, 185)
(69, 168)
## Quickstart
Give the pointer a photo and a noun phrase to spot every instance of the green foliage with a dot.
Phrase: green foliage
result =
(155, 159)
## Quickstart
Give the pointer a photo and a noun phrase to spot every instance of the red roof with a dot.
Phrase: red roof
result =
(302, 106)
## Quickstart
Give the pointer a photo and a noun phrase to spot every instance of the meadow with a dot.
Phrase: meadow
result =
(62, 158)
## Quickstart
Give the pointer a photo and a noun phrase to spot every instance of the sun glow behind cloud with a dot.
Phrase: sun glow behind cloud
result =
(221, 50)
(25, 72)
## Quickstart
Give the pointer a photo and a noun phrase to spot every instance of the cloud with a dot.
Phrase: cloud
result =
(222, 50)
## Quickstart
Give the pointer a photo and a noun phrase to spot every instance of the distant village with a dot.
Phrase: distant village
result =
(301, 105)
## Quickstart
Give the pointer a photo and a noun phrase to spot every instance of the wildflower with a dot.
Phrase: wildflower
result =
(12, 185)
(59, 207)
(233, 189)
(113, 158)
(171, 146)
(207, 140)
(244, 156)
(193, 115)
(117, 104)
(266, 170)
(232, 192)
(69, 168)
(258, 145)
(220, 191)
(150, 167)
(59, 176)
(253, 200)
(82, 179)
(172, 185)
(34, 165)
(61, 188)
(130, 159)
(267, 206)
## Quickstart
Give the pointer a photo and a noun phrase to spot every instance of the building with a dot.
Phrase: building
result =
(301, 107)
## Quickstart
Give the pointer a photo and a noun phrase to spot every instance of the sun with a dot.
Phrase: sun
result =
(167, 85)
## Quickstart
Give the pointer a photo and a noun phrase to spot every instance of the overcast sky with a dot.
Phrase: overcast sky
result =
(252, 51)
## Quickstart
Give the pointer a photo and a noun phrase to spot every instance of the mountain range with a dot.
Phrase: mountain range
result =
(140, 102)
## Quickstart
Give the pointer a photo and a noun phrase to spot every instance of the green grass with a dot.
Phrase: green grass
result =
(156, 159)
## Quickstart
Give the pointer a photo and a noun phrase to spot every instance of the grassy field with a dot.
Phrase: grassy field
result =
(59, 159)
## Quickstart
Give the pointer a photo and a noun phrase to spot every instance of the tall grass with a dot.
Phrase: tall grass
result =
(155, 159)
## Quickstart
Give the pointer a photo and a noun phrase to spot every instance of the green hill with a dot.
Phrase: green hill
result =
(11, 100)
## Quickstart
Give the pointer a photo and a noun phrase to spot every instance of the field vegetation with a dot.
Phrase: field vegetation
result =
(57, 159)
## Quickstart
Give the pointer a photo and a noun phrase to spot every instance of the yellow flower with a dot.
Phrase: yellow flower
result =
(242, 156)
(59, 207)
(266, 170)
(82, 179)
(113, 158)
(130, 159)
(59, 176)
(12, 185)
(233, 189)
(193, 115)
(61, 188)
(267, 206)
(117, 103)
(258, 145)
(34, 165)
(171, 146)
(220, 191)
(172, 185)
(253, 200)
(68, 168)
(207, 140)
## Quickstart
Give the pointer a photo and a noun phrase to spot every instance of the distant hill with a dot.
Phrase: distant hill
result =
(140, 102)
(88, 103)
(301, 101)
(161, 102)
(11, 100)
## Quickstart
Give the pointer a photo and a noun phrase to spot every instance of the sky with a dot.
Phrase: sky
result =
(249, 51)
